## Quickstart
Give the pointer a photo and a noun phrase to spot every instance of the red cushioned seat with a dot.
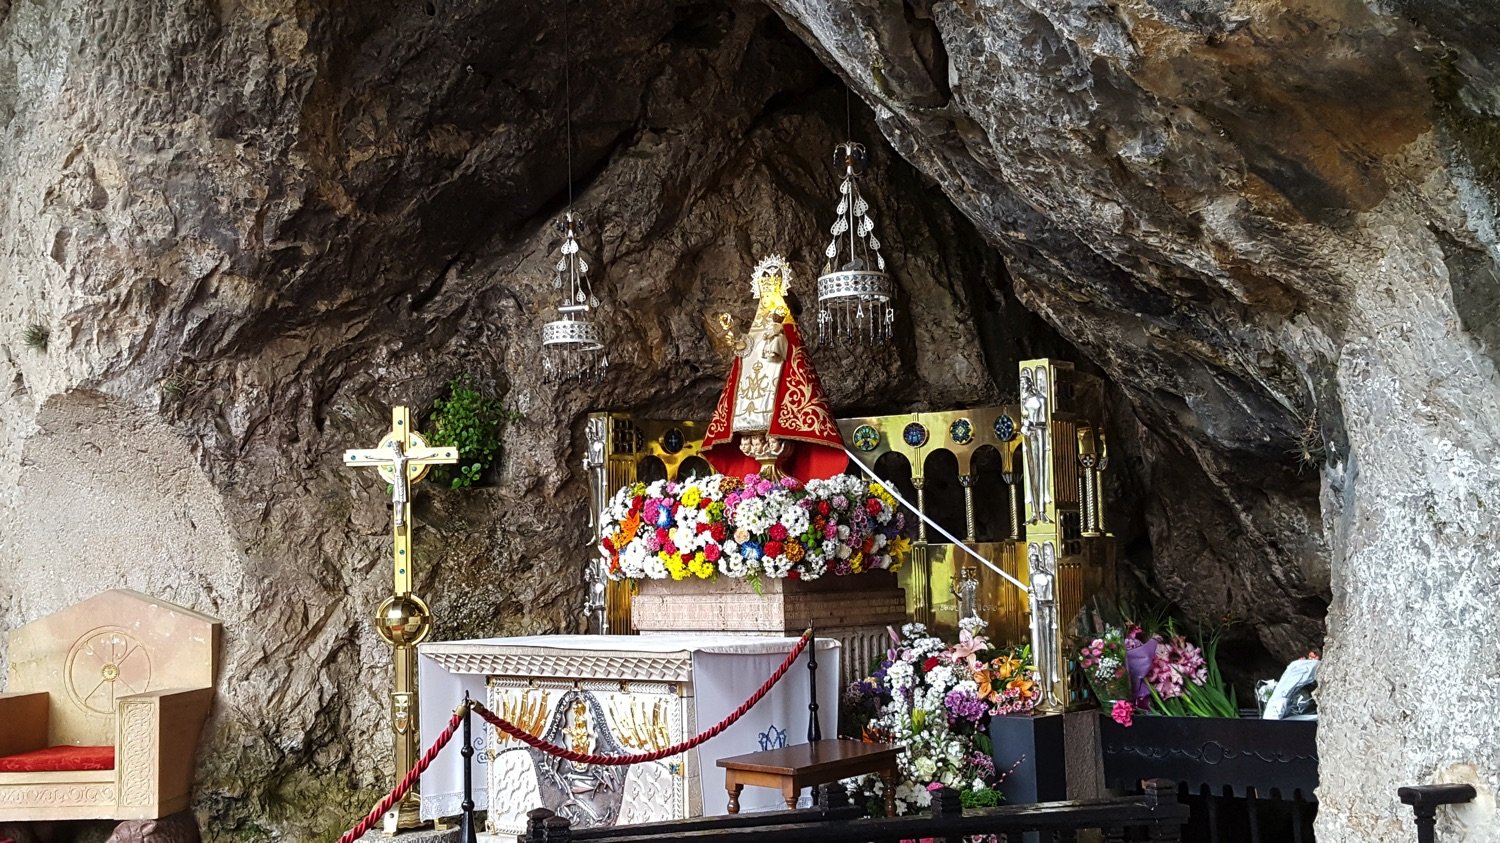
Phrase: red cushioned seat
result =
(57, 759)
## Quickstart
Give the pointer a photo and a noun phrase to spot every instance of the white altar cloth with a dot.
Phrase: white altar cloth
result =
(702, 678)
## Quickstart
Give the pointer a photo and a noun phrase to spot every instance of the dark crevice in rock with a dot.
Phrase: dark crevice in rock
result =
(1475, 282)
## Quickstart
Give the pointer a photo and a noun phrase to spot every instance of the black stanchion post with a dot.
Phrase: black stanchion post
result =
(467, 831)
(814, 729)
(1426, 799)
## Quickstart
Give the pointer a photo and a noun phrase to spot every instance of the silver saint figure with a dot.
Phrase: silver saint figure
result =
(1034, 429)
(1041, 561)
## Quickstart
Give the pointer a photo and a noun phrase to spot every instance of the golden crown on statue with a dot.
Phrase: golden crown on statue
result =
(771, 276)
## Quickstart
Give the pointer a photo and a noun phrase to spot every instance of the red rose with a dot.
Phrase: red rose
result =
(824, 508)
(719, 531)
(872, 506)
(711, 552)
(608, 543)
(661, 534)
(929, 664)
(668, 548)
(773, 548)
(637, 502)
(702, 528)
(778, 532)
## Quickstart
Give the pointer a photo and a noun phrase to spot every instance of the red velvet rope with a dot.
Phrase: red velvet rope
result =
(526, 737)
(406, 782)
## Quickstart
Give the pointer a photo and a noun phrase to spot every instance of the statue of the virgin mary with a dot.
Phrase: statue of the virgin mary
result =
(773, 406)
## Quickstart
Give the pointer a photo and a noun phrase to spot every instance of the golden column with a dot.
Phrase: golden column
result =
(403, 620)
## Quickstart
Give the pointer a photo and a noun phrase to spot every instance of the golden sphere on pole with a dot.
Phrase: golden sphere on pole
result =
(403, 620)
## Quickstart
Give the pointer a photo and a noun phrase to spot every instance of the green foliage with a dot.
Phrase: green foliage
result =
(988, 798)
(36, 337)
(472, 422)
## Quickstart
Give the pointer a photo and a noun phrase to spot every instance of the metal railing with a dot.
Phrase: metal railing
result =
(1157, 813)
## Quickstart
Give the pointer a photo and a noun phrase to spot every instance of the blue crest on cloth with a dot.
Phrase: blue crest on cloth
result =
(772, 738)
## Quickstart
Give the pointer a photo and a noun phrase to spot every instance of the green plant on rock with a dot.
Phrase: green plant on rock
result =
(1308, 445)
(36, 337)
(472, 422)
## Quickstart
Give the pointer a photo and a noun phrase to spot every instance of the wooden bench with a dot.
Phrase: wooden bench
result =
(792, 768)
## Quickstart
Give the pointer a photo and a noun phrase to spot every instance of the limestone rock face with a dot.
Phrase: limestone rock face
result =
(1272, 223)
(248, 228)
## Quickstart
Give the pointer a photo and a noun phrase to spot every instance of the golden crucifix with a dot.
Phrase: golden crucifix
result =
(403, 620)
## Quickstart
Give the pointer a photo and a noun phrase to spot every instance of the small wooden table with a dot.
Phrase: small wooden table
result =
(805, 765)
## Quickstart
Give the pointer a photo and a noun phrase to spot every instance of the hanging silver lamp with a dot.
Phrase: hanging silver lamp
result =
(571, 343)
(854, 291)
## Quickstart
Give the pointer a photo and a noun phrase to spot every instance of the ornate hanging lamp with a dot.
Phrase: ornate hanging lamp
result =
(571, 343)
(854, 291)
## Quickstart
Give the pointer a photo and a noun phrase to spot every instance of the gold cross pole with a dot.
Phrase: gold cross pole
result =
(403, 620)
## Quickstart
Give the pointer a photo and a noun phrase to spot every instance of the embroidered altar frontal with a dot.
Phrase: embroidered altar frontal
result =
(615, 695)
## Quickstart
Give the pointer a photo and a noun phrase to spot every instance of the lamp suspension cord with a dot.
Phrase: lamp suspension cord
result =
(848, 113)
(568, 97)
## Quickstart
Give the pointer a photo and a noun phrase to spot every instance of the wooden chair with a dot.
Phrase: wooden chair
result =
(104, 705)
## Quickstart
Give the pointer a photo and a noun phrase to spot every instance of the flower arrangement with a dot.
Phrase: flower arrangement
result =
(1164, 673)
(937, 699)
(752, 527)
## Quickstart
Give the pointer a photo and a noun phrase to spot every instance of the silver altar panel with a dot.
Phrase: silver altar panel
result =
(592, 716)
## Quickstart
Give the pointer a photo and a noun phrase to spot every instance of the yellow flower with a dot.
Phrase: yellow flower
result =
(857, 562)
(691, 497)
(885, 497)
(898, 547)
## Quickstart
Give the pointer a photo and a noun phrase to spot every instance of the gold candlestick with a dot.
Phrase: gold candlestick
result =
(402, 620)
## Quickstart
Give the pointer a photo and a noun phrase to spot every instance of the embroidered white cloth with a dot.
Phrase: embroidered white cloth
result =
(718, 671)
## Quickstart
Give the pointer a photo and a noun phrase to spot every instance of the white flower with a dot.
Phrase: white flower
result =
(940, 677)
(794, 519)
(925, 767)
(731, 561)
(899, 674)
(776, 566)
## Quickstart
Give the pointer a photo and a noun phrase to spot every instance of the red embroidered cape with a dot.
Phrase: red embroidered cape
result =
(815, 448)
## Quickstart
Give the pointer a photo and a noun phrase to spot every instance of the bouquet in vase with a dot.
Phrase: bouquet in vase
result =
(937, 699)
(1164, 673)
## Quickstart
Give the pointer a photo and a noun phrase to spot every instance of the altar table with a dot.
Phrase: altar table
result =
(613, 695)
